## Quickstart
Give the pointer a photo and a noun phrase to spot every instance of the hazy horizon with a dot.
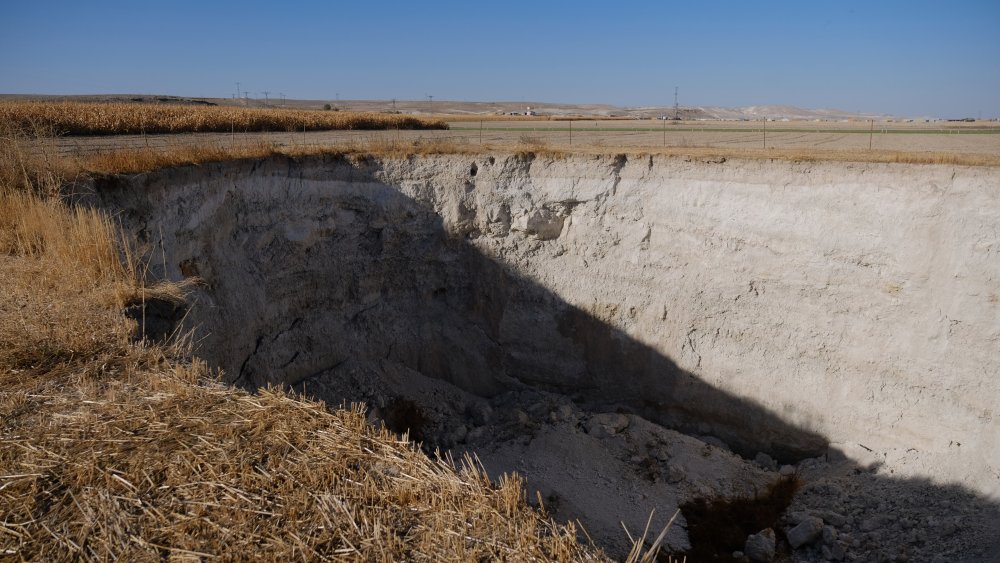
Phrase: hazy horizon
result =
(895, 57)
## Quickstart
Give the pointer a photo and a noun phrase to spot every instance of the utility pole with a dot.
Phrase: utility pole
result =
(282, 99)
(394, 104)
(265, 92)
(871, 131)
(430, 99)
(237, 90)
(676, 106)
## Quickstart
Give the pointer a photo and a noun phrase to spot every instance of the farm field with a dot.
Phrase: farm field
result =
(88, 127)
(907, 142)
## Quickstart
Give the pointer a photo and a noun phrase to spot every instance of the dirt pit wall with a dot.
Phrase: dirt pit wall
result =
(777, 306)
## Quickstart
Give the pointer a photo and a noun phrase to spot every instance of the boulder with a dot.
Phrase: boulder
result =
(805, 532)
(760, 546)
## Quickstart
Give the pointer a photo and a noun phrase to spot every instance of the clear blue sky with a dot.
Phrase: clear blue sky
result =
(901, 57)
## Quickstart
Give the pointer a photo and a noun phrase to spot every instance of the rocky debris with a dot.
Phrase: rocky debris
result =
(606, 467)
(622, 465)
(603, 468)
(830, 517)
(765, 461)
(611, 423)
(542, 223)
(805, 532)
(675, 474)
(480, 413)
(714, 441)
(760, 546)
(846, 514)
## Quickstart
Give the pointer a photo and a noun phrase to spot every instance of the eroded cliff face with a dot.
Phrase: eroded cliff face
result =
(780, 307)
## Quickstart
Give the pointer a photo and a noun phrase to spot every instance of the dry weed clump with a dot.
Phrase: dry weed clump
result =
(75, 118)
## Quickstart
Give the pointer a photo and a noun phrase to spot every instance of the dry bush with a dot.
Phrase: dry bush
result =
(75, 118)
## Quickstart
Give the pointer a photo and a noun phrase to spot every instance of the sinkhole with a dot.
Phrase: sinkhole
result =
(626, 331)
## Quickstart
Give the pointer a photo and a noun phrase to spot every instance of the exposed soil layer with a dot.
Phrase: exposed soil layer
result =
(626, 331)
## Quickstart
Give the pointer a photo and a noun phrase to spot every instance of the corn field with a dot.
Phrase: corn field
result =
(74, 118)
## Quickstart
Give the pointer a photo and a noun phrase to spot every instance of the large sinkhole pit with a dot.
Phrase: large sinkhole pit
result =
(628, 332)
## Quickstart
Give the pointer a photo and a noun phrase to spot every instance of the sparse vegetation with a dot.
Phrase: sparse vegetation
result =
(72, 118)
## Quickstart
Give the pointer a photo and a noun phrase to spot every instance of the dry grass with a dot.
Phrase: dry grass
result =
(50, 171)
(539, 147)
(839, 155)
(75, 118)
(131, 161)
(144, 461)
(112, 449)
(61, 279)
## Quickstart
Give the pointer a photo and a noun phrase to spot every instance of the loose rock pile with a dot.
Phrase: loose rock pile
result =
(845, 513)
(589, 466)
